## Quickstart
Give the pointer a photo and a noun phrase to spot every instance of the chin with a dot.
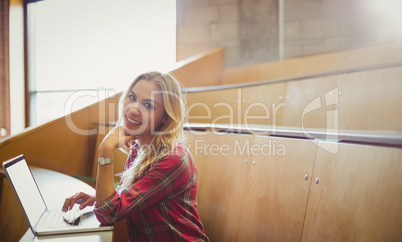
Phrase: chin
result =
(132, 131)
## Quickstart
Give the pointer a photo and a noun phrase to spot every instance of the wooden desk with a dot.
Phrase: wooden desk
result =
(55, 188)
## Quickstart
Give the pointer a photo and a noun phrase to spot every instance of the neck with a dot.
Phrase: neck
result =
(144, 140)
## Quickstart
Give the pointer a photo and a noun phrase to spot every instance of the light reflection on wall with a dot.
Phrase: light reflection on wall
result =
(389, 9)
(389, 18)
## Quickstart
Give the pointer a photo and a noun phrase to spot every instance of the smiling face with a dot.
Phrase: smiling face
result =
(144, 110)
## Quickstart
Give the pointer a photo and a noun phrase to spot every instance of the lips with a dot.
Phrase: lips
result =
(132, 122)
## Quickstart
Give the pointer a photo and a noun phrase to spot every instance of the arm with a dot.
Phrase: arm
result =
(105, 177)
(169, 177)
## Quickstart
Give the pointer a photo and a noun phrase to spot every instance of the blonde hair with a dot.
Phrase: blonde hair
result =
(166, 136)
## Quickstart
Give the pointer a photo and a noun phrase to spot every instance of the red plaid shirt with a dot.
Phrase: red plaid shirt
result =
(162, 205)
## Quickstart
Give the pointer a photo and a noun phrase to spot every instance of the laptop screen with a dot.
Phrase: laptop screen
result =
(21, 178)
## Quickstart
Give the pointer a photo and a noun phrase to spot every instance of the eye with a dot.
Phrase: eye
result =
(132, 97)
(149, 106)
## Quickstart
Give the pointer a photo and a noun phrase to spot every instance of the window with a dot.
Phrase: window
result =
(82, 51)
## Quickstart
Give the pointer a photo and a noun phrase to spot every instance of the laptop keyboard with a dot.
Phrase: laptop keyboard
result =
(57, 218)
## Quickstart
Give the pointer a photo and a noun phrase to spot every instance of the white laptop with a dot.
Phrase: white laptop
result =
(34, 207)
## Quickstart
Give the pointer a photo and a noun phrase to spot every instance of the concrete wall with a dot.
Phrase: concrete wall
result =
(312, 27)
(203, 25)
(249, 30)
(249, 36)
(319, 26)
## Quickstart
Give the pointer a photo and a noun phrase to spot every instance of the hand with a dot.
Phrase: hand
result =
(116, 138)
(88, 200)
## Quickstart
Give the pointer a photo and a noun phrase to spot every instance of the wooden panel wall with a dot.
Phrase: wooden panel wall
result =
(371, 100)
(301, 97)
(314, 64)
(66, 144)
(4, 69)
(201, 70)
(358, 196)
(267, 191)
(263, 105)
(11, 211)
(366, 100)
(213, 106)
(222, 185)
(277, 190)
(357, 101)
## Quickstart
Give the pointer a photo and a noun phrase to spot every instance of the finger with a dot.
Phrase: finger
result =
(114, 130)
(67, 204)
(130, 138)
(125, 137)
(88, 202)
(71, 203)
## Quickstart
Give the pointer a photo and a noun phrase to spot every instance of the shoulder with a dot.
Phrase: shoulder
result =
(179, 155)
(180, 152)
(178, 163)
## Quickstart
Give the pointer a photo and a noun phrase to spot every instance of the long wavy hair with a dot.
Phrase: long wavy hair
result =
(166, 136)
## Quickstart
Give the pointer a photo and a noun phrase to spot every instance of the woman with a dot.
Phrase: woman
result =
(157, 192)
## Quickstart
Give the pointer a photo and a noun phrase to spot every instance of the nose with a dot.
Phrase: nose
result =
(133, 109)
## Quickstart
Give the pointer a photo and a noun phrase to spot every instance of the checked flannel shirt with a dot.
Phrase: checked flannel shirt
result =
(162, 205)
